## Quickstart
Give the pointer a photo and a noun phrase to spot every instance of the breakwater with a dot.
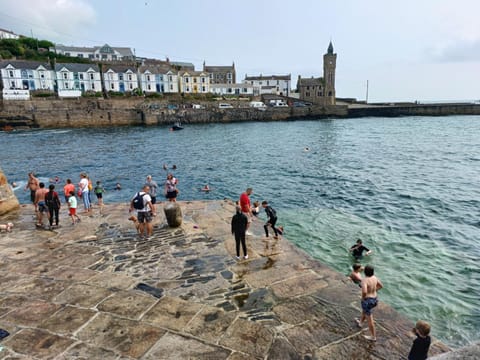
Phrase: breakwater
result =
(96, 290)
(87, 112)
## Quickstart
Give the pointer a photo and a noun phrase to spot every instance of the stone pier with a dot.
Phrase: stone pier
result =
(96, 290)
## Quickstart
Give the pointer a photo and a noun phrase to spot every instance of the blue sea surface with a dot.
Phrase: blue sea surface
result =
(407, 186)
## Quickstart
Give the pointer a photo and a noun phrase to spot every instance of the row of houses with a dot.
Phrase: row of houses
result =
(19, 78)
(74, 79)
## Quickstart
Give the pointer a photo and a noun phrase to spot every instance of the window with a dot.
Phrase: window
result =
(148, 78)
(93, 86)
(131, 86)
(67, 54)
(91, 76)
(170, 78)
(81, 76)
(112, 86)
(75, 76)
(42, 75)
(90, 56)
(307, 94)
(11, 73)
(171, 87)
(120, 77)
(187, 80)
(278, 82)
(149, 87)
(104, 57)
(319, 93)
(130, 77)
(65, 85)
(114, 57)
(80, 55)
(229, 75)
(211, 76)
(203, 80)
(268, 83)
(245, 90)
(65, 75)
(195, 80)
(203, 89)
(24, 74)
(12, 85)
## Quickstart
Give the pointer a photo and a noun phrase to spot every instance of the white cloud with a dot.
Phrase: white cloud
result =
(56, 20)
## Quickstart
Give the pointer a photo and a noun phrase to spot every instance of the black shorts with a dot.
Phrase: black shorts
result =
(171, 194)
(99, 196)
(154, 199)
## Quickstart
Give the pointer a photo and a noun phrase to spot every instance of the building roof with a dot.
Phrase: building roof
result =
(155, 69)
(74, 67)
(269, 77)
(215, 68)
(8, 31)
(192, 73)
(119, 68)
(124, 51)
(24, 64)
(310, 81)
(183, 65)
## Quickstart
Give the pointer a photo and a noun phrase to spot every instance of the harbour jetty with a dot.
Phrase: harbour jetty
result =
(99, 112)
(95, 290)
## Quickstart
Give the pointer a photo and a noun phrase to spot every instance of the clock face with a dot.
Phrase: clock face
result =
(330, 62)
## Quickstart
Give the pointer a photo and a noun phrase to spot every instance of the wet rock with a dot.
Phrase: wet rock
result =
(173, 214)
(158, 293)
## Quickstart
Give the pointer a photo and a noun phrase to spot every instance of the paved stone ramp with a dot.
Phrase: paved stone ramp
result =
(97, 291)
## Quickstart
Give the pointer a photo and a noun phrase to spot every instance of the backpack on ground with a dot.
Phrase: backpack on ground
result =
(137, 202)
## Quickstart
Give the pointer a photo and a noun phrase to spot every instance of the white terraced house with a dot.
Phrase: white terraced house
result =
(21, 77)
(270, 84)
(120, 78)
(75, 79)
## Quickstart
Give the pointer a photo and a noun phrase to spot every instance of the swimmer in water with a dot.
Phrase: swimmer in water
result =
(206, 188)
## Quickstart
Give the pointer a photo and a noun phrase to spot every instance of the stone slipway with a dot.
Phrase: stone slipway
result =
(96, 291)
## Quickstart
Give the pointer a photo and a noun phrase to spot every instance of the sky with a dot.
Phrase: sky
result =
(422, 50)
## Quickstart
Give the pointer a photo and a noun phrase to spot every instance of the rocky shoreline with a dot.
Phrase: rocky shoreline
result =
(95, 290)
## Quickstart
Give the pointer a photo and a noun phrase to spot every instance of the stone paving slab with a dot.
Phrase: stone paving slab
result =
(97, 291)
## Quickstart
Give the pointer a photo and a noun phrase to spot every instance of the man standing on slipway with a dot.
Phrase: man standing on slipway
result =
(246, 208)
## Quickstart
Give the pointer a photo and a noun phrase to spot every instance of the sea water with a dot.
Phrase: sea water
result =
(408, 187)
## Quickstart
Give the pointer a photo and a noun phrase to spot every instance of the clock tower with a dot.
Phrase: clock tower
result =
(329, 65)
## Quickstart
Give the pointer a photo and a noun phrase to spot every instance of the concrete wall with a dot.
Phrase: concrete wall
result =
(8, 200)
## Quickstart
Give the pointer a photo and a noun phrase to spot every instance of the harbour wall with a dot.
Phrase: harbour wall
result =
(86, 112)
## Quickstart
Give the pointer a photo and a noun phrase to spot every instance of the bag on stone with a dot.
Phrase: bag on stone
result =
(137, 202)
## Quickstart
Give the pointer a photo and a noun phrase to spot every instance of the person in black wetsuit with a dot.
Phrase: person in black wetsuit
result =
(272, 219)
(358, 249)
(239, 229)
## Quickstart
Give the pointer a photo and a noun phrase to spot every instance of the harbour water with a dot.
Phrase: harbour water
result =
(406, 186)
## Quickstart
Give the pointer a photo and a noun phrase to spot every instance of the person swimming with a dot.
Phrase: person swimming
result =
(206, 188)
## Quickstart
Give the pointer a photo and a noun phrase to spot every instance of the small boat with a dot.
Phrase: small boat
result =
(176, 126)
(8, 128)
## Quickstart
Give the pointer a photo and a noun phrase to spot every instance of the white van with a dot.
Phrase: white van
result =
(258, 105)
(225, 106)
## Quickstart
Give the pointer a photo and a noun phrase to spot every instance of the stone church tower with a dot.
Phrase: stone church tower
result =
(320, 91)
(329, 66)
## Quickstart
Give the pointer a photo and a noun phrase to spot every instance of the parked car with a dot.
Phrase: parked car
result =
(198, 106)
(172, 107)
(225, 106)
(278, 103)
(257, 105)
